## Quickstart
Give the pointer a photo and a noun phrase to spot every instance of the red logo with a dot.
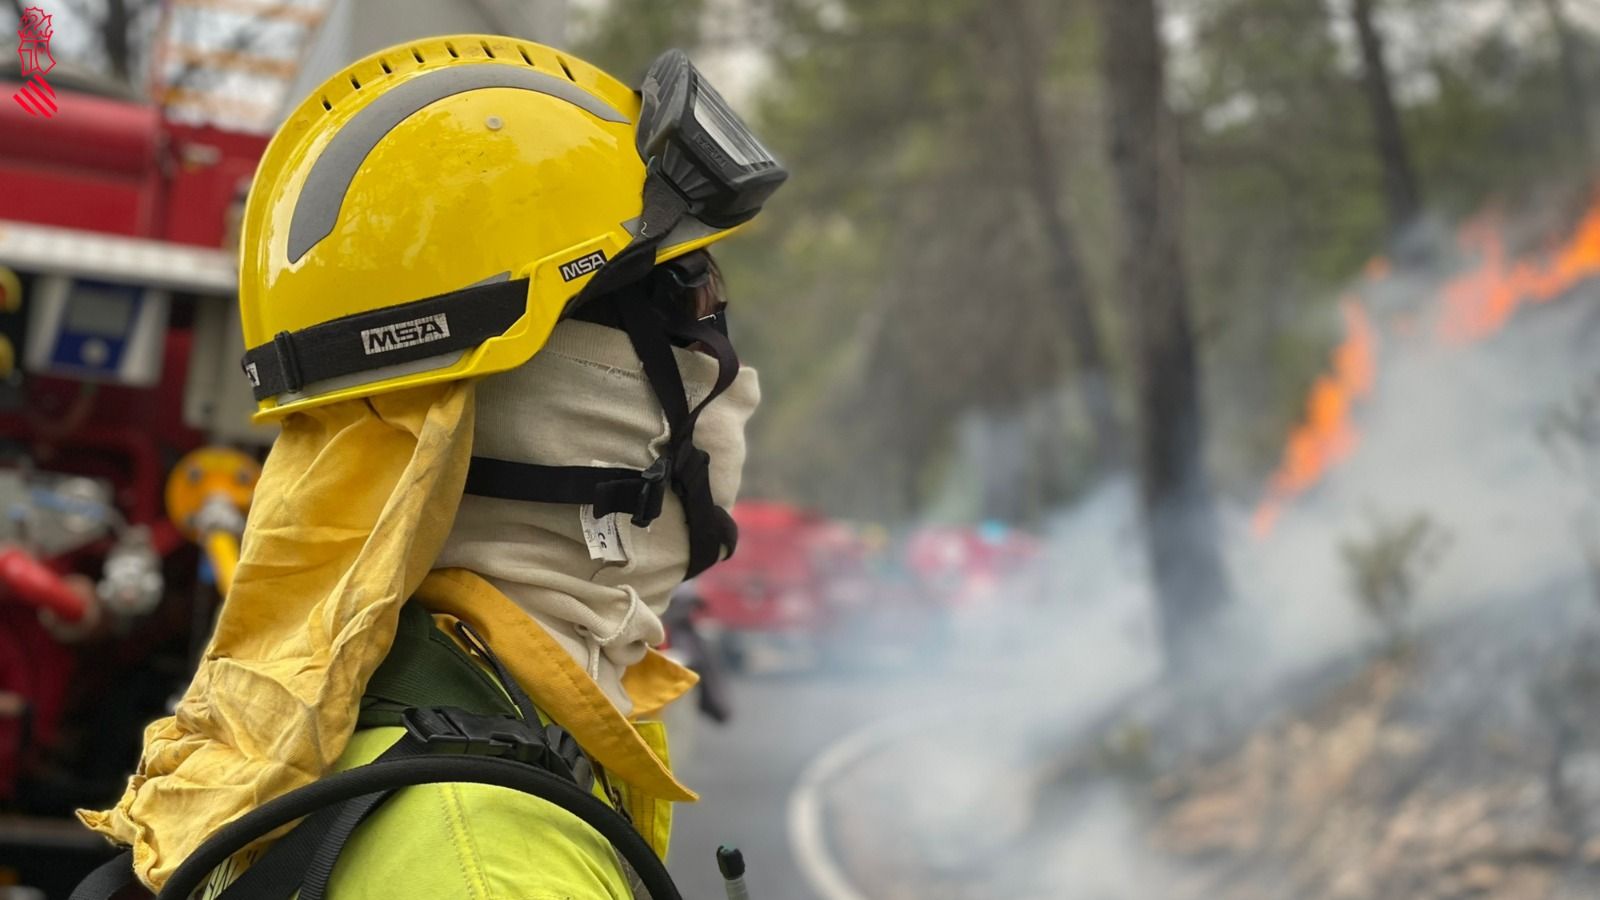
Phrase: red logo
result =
(36, 97)
(33, 47)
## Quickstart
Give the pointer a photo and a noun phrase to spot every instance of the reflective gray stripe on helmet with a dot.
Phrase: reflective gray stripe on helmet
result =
(688, 229)
(317, 208)
(370, 376)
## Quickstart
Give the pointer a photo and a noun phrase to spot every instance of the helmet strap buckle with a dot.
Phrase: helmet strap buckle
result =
(288, 362)
(654, 492)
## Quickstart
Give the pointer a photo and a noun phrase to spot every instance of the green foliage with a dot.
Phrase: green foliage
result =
(624, 36)
(1385, 566)
(1126, 751)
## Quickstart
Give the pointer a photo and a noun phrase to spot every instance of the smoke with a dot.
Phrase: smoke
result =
(1066, 670)
(1450, 431)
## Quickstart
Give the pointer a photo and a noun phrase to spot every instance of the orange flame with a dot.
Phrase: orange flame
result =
(1327, 436)
(1481, 302)
(1471, 307)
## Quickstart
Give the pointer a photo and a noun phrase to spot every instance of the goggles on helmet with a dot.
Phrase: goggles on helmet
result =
(690, 137)
(702, 161)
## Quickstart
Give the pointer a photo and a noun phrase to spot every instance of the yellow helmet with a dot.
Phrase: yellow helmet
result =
(430, 212)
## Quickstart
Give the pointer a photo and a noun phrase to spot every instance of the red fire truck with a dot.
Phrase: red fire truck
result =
(972, 570)
(771, 598)
(117, 359)
(804, 591)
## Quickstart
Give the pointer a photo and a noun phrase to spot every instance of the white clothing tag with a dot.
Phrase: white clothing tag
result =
(602, 536)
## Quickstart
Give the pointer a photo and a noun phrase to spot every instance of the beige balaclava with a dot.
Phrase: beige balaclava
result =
(599, 587)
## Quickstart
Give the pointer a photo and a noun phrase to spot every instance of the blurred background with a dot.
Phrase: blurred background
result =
(1179, 468)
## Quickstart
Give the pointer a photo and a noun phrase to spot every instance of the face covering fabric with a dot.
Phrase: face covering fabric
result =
(598, 587)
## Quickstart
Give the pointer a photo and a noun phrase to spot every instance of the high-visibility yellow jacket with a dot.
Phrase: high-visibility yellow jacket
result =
(489, 843)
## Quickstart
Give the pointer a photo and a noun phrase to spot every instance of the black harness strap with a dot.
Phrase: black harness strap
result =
(319, 871)
(604, 312)
(291, 862)
(649, 327)
(459, 320)
(715, 337)
(108, 880)
(611, 490)
(430, 769)
(304, 859)
(663, 209)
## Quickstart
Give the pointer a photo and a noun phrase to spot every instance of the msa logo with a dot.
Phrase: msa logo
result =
(405, 334)
(583, 265)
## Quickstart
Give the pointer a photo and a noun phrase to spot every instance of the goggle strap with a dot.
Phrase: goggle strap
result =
(704, 332)
(649, 326)
(664, 208)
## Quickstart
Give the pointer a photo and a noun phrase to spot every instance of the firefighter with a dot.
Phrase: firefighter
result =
(476, 299)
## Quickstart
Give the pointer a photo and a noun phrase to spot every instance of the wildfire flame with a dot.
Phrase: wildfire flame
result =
(1328, 435)
(1481, 302)
(1470, 307)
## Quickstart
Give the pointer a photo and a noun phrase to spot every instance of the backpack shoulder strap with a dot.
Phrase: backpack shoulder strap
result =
(441, 746)
(111, 880)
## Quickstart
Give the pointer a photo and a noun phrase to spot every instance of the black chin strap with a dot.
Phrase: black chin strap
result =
(663, 209)
(654, 323)
(652, 327)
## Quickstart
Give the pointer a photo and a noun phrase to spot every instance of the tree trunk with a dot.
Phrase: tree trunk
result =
(1573, 86)
(1190, 579)
(115, 34)
(1066, 261)
(1402, 195)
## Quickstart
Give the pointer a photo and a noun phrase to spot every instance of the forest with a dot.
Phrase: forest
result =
(949, 248)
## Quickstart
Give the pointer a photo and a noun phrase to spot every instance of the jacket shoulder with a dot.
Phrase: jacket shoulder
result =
(471, 841)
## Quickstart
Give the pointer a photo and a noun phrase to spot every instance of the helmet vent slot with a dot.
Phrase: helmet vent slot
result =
(486, 50)
(325, 104)
(387, 69)
(524, 52)
(566, 69)
(451, 49)
(355, 82)
(417, 55)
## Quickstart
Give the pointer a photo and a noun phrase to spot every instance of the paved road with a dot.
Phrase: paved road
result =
(745, 770)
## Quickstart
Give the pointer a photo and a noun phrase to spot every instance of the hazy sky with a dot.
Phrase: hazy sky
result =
(738, 69)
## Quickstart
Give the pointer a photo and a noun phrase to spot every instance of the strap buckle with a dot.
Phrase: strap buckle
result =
(450, 730)
(689, 271)
(288, 362)
(654, 492)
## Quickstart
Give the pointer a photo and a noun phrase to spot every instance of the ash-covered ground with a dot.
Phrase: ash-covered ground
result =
(1466, 765)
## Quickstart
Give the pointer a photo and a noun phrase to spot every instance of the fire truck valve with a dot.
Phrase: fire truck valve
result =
(131, 583)
(208, 494)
